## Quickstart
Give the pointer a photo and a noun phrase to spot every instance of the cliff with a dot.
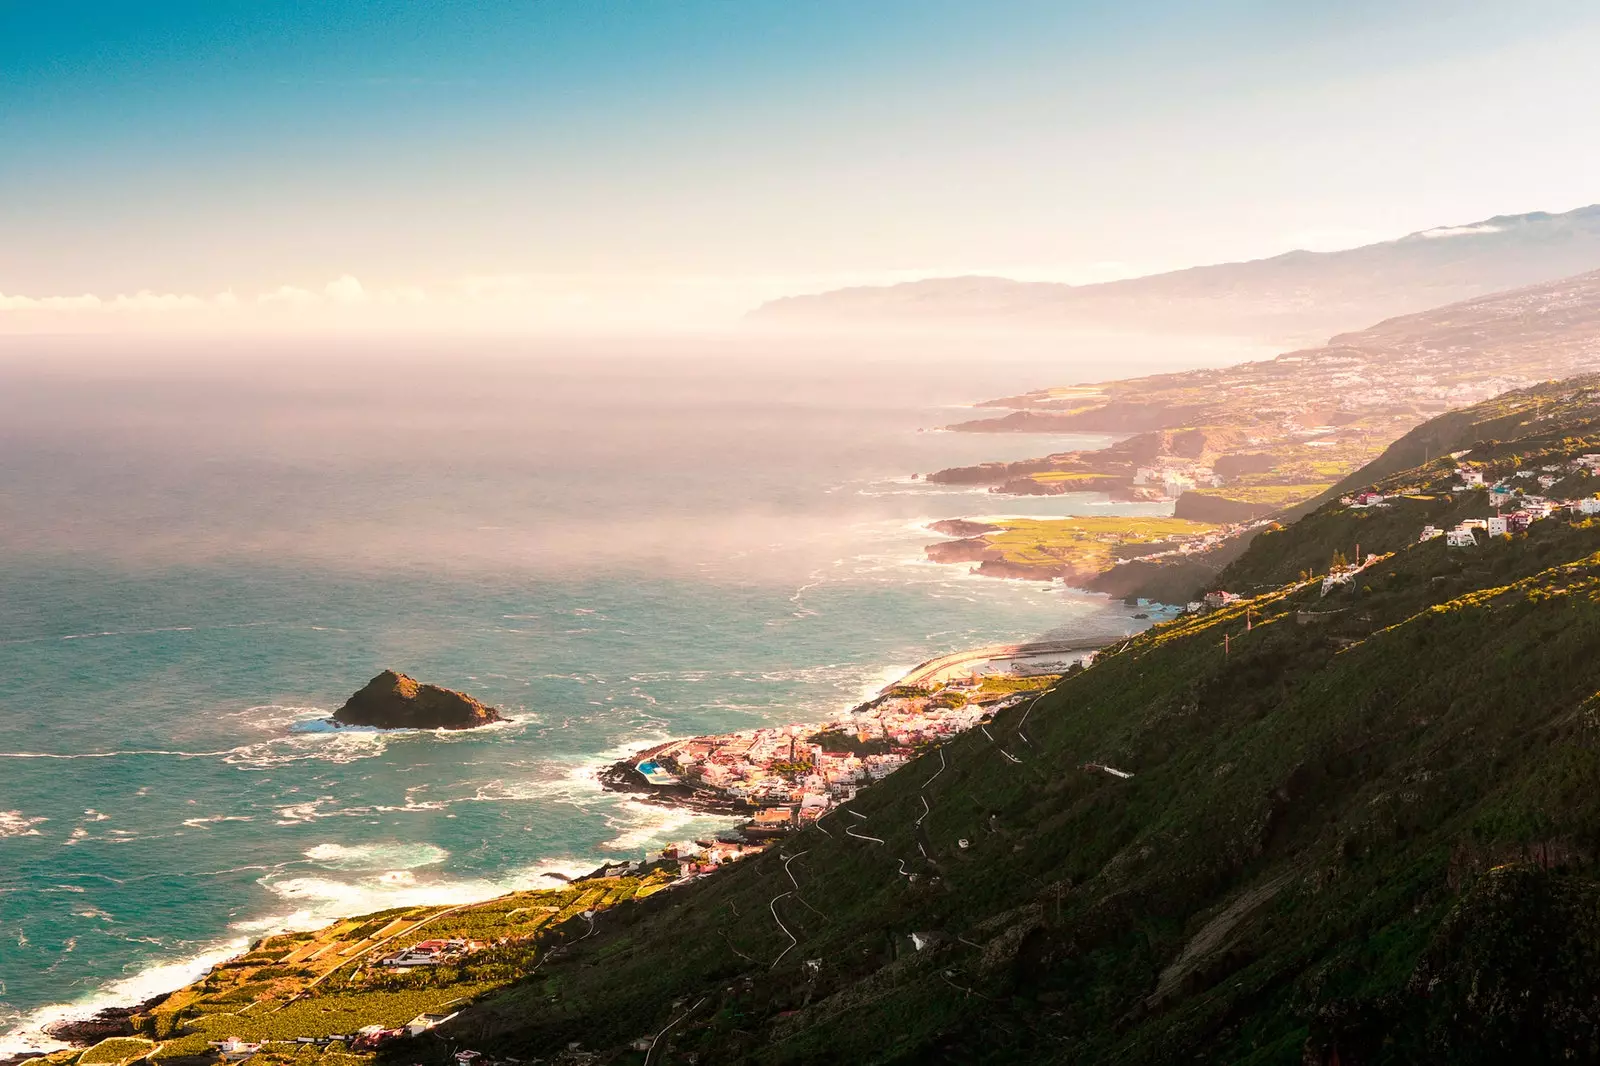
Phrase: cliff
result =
(394, 701)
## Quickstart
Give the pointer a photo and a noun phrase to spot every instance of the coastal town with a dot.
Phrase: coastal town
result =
(785, 778)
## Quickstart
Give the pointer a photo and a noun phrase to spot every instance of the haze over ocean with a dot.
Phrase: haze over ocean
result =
(204, 553)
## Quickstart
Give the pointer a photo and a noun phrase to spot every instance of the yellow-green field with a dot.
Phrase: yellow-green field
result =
(1270, 495)
(1055, 476)
(1082, 543)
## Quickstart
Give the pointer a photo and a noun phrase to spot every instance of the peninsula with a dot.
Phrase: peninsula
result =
(1235, 450)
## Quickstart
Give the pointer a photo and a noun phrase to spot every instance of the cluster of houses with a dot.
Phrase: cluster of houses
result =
(431, 953)
(1173, 476)
(1530, 507)
(369, 1038)
(701, 857)
(1212, 601)
(372, 1037)
(787, 773)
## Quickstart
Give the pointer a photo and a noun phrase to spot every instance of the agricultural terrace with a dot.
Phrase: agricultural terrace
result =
(330, 982)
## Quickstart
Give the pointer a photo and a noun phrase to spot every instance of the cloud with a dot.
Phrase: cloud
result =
(86, 302)
(345, 290)
(288, 294)
(145, 300)
(343, 301)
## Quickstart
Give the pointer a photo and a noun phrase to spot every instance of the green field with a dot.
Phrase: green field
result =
(1082, 544)
(1270, 495)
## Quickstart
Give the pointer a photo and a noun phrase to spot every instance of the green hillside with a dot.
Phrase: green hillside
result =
(1354, 828)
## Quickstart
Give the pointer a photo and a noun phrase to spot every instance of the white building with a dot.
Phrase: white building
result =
(423, 1022)
(1430, 533)
(1496, 526)
(1461, 537)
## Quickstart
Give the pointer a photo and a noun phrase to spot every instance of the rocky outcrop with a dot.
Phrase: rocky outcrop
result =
(963, 527)
(1024, 571)
(394, 701)
(1114, 417)
(85, 1032)
(988, 473)
(970, 550)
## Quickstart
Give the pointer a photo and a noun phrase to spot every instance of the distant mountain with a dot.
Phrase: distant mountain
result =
(1289, 296)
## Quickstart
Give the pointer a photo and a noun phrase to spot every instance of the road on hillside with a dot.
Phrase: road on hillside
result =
(947, 666)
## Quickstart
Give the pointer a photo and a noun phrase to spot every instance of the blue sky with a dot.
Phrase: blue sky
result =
(704, 155)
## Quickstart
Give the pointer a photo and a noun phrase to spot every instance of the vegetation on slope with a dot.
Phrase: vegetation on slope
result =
(1358, 828)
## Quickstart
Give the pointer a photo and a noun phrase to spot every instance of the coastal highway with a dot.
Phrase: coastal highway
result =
(947, 666)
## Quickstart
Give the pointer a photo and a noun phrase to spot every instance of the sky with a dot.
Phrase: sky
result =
(545, 163)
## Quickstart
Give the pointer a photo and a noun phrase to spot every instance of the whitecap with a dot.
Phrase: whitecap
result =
(17, 824)
(203, 823)
(390, 856)
(319, 899)
(653, 826)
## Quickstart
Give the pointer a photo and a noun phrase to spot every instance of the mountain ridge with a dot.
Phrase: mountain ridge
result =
(1296, 294)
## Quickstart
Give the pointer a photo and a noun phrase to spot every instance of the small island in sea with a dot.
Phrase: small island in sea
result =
(394, 701)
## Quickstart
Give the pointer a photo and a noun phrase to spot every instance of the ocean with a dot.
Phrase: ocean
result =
(206, 545)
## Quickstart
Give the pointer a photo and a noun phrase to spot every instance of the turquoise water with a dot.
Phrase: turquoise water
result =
(202, 556)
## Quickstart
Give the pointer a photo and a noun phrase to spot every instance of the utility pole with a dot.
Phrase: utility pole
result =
(1224, 645)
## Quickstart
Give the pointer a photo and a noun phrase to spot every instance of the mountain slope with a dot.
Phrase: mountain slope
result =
(1294, 295)
(1520, 430)
(1358, 828)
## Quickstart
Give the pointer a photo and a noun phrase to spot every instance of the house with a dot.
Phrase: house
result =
(1431, 532)
(235, 1050)
(423, 1022)
(1461, 537)
(468, 1057)
(1518, 521)
(1470, 478)
(369, 1037)
(1497, 526)
(1546, 480)
(1220, 599)
(774, 818)
(1588, 506)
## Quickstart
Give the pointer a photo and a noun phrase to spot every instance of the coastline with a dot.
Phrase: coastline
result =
(100, 1017)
